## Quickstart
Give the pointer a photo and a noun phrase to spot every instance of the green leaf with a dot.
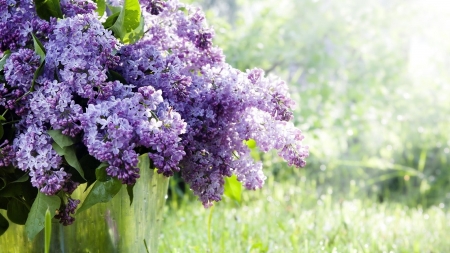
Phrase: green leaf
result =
(2, 183)
(48, 8)
(29, 193)
(183, 9)
(89, 165)
(37, 73)
(48, 230)
(4, 203)
(101, 7)
(128, 20)
(36, 218)
(4, 224)
(1, 125)
(5, 57)
(61, 139)
(136, 34)
(22, 179)
(60, 151)
(72, 160)
(233, 188)
(250, 143)
(114, 9)
(101, 192)
(38, 48)
(17, 211)
(111, 20)
(146, 247)
(130, 193)
(100, 173)
(115, 76)
(70, 157)
(12, 190)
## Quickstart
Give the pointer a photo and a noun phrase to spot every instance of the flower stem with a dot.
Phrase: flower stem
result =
(209, 229)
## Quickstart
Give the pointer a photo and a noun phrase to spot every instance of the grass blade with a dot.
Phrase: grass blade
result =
(48, 230)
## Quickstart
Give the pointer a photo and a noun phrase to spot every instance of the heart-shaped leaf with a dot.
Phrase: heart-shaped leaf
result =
(233, 188)
(128, 20)
(101, 192)
(6, 55)
(48, 8)
(61, 139)
(36, 218)
(4, 224)
(17, 211)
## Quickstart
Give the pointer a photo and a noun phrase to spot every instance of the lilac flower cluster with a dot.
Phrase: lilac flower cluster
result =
(221, 105)
(6, 154)
(115, 119)
(18, 19)
(114, 128)
(34, 154)
(65, 213)
(18, 73)
(72, 8)
(176, 99)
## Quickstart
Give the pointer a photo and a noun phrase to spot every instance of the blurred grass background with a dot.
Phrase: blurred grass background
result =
(372, 84)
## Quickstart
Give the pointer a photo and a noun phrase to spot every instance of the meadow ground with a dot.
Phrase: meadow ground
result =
(291, 218)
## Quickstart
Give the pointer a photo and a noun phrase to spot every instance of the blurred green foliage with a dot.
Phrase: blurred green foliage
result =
(284, 217)
(371, 83)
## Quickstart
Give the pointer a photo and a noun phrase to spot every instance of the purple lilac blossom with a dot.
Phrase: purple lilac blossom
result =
(20, 67)
(114, 128)
(66, 210)
(6, 154)
(34, 154)
(154, 7)
(181, 103)
(72, 8)
(222, 106)
(52, 103)
(18, 19)
(80, 50)
(70, 186)
(19, 70)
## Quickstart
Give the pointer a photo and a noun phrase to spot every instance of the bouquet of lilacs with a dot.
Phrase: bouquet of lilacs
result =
(86, 87)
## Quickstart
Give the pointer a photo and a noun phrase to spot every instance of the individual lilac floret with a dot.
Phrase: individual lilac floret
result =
(66, 211)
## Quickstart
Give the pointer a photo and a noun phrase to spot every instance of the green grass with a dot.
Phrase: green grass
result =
(289, 218)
